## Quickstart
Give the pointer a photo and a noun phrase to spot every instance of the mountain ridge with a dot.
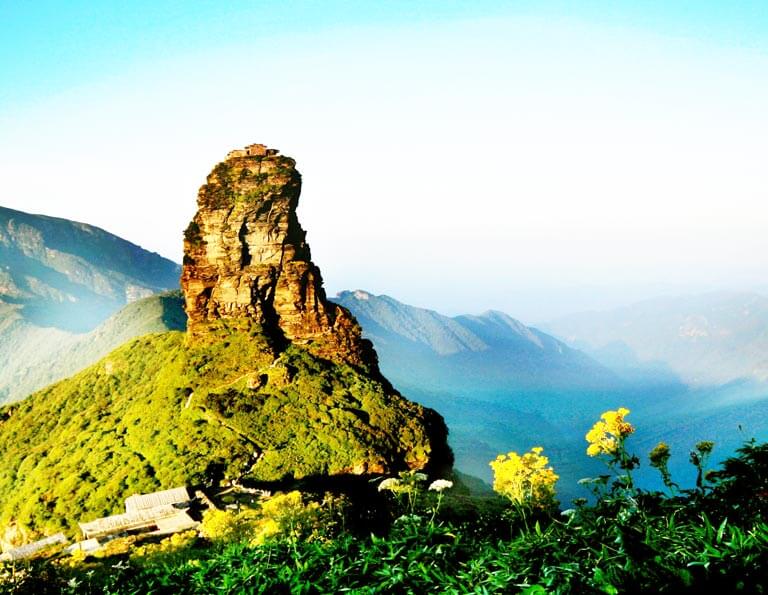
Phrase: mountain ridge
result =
(704, 339)
(60, 280)
(48, 262)
(493, 336)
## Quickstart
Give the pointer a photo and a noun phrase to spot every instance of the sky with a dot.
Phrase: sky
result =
(538, 158)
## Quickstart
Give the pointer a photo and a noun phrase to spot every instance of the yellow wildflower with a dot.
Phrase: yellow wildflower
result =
(605, 435)
(525, 479)
(660, 455)
(264, 530)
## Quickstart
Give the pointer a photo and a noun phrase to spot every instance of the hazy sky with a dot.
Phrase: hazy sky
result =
(532, 157)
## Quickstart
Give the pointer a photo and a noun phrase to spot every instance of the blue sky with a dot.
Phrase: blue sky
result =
(535, 157)
(53, 44)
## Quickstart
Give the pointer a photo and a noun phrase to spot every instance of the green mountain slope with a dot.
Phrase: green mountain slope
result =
(157, 413)
(271, 382)
(42, 356)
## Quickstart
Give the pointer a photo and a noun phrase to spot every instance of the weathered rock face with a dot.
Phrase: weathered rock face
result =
(245, 256)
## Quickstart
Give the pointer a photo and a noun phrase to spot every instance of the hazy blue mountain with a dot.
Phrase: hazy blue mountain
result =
(503, 386)
(714, 346)
(73, 276)
(44, 356)
(59, 280)
(705, 340)
(491, 348)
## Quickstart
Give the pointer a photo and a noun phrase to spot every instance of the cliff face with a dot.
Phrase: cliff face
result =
(245, 256)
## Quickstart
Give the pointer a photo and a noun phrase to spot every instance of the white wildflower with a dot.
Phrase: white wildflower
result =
(390, 483)
(440, 484)
(419, 477)
(408, 518)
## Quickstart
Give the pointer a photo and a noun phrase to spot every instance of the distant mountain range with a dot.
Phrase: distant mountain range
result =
(73, 276)
(499, 384)
(504, 386)
(492, 349)
(703, 340)
(58, 281)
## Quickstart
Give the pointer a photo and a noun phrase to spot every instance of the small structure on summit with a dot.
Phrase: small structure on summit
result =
(254, 150)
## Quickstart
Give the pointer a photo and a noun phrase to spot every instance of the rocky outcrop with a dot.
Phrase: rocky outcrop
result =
(245, 256)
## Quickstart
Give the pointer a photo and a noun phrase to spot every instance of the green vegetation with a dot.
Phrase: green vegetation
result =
(43, 356)
(220, 191)
(408, 538)
(159, 412)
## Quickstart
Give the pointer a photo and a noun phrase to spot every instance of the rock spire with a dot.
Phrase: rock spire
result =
(246, 257)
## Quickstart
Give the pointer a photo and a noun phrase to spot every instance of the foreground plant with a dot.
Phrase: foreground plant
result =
(527, 480)
(406, 488)
(699, 457)
(608, 437)
(659, 459)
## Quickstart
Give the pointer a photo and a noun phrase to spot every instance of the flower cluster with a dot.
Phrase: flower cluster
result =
(391, 484)
(408, 482)
(283, 515)
(440, 484)
(525, 480)
(660, 455)
(608, 432)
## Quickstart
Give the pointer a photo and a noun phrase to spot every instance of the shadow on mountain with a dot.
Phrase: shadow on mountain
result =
(173, 316)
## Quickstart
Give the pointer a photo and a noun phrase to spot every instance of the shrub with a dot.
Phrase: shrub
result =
(283, 515)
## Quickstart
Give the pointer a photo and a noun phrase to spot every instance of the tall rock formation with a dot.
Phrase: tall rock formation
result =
(245, 256)
(272, 383)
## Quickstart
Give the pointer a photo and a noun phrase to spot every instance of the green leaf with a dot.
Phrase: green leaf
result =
(721, 530)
